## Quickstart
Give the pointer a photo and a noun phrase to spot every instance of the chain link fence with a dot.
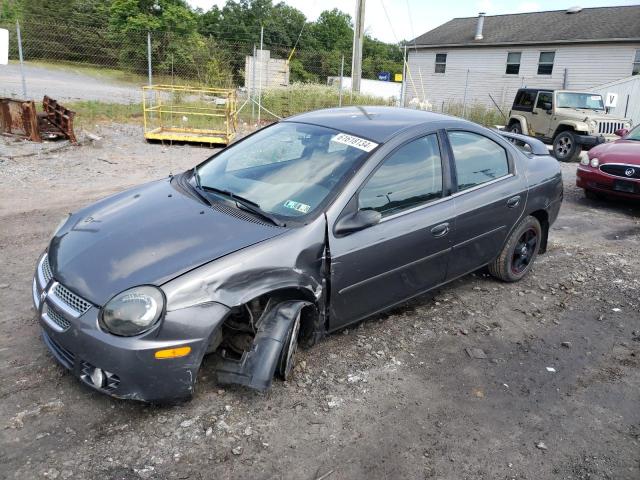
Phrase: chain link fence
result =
(80, 60)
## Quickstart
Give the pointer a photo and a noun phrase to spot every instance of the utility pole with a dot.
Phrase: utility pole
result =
(358, 34)
(260, 78)
(403, 87)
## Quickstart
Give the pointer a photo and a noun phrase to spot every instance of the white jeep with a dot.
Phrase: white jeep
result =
(570, 120)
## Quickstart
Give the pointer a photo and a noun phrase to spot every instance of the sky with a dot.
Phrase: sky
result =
(394, 20)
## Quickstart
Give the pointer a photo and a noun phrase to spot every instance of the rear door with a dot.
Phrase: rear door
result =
(490, 196)
(408, 250)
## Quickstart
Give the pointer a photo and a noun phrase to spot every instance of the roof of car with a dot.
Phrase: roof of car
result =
(378, 124)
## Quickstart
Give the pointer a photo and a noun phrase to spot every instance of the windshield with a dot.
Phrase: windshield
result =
(633, 134)
(288, 169)
(589, 101)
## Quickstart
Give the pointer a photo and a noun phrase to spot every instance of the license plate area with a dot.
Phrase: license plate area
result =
(625, 186)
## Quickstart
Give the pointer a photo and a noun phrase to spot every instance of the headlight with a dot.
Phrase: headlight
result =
(627, 125)
(133, 311)
(592, 124)
(595, 162)
(60, 225)
(584, 161)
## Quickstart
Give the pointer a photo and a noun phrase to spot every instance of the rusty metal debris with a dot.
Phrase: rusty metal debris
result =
(20, 119)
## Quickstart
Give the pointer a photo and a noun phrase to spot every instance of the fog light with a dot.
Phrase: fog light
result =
(173, 352)
(97, 377)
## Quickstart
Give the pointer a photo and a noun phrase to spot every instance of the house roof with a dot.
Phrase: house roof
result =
(600, 24)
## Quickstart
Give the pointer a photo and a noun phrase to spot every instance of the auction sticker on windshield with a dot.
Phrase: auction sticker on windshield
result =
(297, 206)
(356, 142)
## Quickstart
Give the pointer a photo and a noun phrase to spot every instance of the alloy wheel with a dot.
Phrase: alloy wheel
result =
(524, 251)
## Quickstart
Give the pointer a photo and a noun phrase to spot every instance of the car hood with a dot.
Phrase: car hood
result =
(584, 114)
(147, 235)
(620, 151)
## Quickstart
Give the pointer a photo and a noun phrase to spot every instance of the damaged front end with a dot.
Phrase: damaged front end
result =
(276, 295)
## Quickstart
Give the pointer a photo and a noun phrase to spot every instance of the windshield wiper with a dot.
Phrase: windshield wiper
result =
(244, 204)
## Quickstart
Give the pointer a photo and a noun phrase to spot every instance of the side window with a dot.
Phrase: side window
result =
(524, 101)
(544, 97)
(441, 62)
(478, 160)
(513, 63)
(410, 176)
(545, 63)
(636, 64)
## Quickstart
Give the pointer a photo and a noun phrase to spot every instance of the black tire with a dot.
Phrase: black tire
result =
(287, 360)
(514, 262)
(515, 127)
(591, 195)
(566, 147)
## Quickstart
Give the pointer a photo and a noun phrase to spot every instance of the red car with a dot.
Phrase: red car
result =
(613, 168)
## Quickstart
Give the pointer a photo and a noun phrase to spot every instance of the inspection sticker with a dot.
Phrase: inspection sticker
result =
(356, 142)
(297, 206)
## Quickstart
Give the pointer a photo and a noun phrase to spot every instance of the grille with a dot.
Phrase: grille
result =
(46, 270)
(64, 356)
(621, 170)
(607, 128)
(77, 303)
(58, 318)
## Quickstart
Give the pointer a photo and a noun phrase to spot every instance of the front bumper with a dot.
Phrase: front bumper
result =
(594, 179)
(127, 365)
(589, 141)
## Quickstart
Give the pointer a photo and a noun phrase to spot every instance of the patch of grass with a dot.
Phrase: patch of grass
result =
(303, 97)
(90, 112)
(96, 71)
(477, 113)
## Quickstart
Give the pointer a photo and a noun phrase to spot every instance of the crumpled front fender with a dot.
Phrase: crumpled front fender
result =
(257, 366)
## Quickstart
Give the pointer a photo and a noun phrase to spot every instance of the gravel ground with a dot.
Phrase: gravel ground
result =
(64, 85)
(396, 397)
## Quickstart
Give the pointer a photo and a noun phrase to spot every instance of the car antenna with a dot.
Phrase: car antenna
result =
(366, 114)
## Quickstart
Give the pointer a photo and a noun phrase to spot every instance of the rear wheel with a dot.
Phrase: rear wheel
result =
(566, 147)
(519, 253)
(515, 127)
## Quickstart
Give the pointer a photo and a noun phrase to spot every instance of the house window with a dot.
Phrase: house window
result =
(513, 63)
(441, 62)
(636, 64)
(545, 64)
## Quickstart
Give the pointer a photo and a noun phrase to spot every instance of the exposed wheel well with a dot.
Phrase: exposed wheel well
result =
(543, 218)
(564, 128)
(243, 321)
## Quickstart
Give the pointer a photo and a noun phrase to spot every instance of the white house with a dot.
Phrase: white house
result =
(471, 60)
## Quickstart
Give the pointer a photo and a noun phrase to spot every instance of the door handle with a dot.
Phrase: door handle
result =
(513, 201)
(440, 230)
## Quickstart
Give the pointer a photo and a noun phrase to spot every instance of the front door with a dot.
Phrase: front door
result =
(407, 252)
(490, 199)
(540, 122)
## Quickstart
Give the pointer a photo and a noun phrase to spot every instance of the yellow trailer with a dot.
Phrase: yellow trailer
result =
(176, 113)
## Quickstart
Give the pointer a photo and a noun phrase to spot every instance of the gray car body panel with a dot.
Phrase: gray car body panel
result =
(208, 264)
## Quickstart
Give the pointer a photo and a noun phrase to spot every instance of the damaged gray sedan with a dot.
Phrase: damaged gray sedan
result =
(297, 230)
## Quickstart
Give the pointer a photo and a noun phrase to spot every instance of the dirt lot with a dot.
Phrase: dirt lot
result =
(396, 397)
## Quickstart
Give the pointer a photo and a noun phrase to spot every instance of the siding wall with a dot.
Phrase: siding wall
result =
(587, 66)
(628, 91)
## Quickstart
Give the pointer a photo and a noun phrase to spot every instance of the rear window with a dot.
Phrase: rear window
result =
(524, 100)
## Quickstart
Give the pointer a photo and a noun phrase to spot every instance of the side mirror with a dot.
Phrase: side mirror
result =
(357, 221)
(547, 106)
(621, 132)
